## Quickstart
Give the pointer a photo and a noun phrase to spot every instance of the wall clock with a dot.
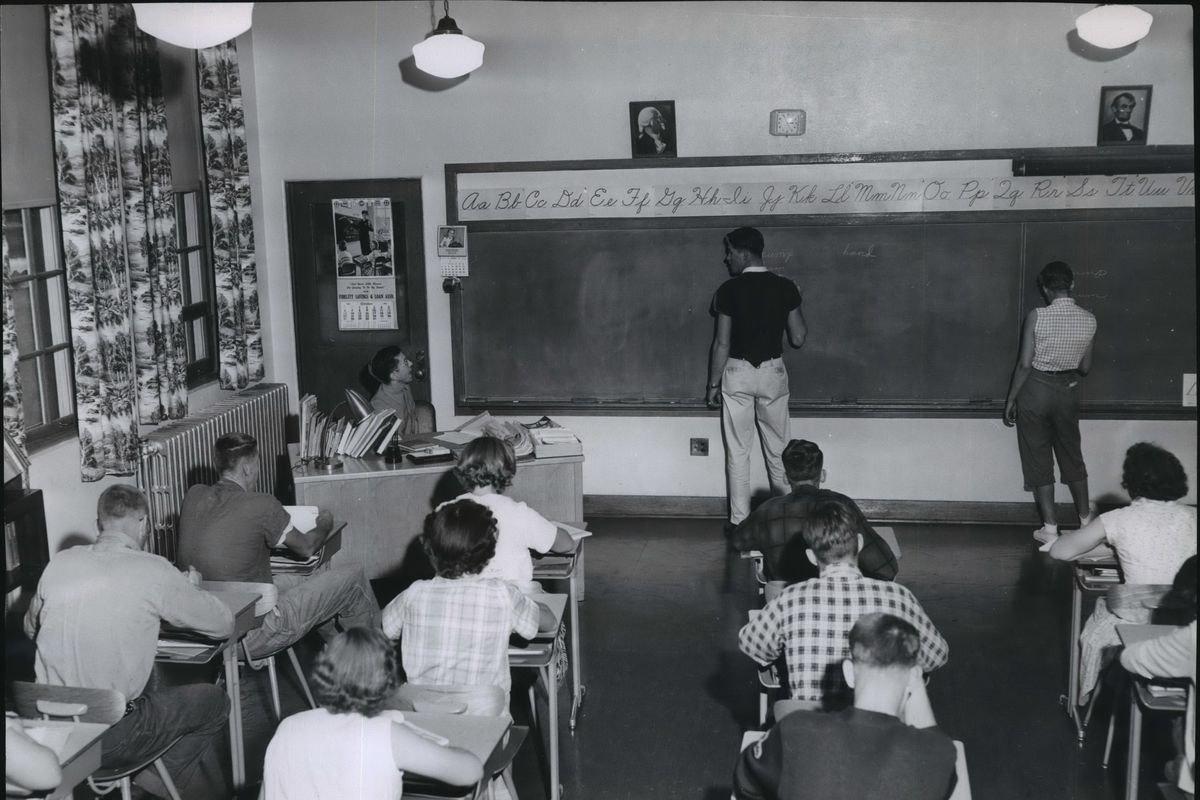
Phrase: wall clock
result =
(787, 122)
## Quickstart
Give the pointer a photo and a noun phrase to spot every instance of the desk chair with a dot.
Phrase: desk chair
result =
(1124, 598)
(1140, 697)
(90, 705)
(269, 663)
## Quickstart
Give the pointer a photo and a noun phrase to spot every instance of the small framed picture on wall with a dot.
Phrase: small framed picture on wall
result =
(1124, 115)
(652, 128)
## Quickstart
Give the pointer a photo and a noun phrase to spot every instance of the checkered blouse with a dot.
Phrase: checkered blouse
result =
(809, 624)
(456, 631)
(1061, 335)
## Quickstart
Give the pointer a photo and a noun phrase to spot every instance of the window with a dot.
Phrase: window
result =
(39, 295)
(199, 291)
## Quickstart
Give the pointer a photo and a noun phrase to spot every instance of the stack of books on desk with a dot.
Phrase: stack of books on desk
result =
(1102, 575)
(551, 439)
(283, 562)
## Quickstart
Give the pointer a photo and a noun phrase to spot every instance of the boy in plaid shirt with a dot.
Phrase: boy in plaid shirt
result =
(809, 622)
(454, 629)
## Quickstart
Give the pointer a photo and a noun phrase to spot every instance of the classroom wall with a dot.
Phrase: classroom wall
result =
(555, 84)
(325, 99)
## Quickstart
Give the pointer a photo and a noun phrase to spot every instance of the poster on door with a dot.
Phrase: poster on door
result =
(366, 280)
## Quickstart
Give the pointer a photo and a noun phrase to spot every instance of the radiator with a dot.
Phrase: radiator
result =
(179, 454)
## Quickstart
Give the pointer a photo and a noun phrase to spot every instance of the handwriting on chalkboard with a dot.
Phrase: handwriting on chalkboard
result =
(859, 251)
(618, 194)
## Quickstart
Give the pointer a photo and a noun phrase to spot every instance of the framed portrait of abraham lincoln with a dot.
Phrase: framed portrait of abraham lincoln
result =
(1124, 115)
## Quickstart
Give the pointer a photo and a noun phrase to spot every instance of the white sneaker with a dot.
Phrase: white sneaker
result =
(1045, 536)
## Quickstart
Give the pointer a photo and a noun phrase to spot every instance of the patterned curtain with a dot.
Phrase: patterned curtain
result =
(118, 221)
(239, 337)
(14, 412)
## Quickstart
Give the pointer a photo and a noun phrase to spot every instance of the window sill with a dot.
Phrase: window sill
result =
(46, 436)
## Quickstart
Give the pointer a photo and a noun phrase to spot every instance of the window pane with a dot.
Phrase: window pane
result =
(200, 339)
(23, 312)
(195, 272)
(64, 379)
(35, 235)
(50, 243)
(30, 397)
(56, 310)
(14, 233)
(191, 220)
(49, 387)
(41, 314)
(185, 279)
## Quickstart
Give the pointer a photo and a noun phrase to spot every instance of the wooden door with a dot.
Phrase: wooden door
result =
(327, 253)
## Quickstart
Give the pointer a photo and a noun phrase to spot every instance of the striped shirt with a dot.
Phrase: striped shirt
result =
(456, 631)
(1061, 335)
(809, 624)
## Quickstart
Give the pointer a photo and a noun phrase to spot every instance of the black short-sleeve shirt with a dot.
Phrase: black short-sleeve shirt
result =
(758, 303)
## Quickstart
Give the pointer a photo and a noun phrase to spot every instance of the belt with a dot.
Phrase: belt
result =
(1056, 371)
(757, 364)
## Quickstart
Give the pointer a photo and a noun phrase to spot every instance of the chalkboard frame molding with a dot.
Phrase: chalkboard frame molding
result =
(948, 409)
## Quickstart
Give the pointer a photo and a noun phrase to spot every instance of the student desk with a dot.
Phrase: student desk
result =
(77, 745)
(386, 504)
(1143, 697)
(569, 568)
(241, 603)
(1094, 573)
(542, 654)
(480, 736)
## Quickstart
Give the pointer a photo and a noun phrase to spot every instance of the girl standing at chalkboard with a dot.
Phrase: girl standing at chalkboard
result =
(1043, 397)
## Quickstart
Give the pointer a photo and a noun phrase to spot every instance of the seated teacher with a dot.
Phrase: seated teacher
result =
(387, 379)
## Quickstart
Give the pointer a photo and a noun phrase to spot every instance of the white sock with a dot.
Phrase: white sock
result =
(1048, 528)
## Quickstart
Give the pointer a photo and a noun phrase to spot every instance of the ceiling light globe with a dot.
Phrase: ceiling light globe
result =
(194, 25)
(1113, 26)
(448, 55)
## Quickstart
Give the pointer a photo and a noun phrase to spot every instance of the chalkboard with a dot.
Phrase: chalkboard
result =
(1139, 278)
(904, 317)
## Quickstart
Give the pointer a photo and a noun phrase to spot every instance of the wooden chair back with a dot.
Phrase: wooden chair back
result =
(33, 700)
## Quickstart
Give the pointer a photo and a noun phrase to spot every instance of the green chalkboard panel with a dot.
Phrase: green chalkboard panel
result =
(1139, 278)
(905, 317)
(902, 314)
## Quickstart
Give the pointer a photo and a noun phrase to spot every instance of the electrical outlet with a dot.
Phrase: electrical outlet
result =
(699, 447)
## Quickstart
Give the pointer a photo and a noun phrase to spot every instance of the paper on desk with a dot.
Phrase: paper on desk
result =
(430, 735)
(182, 644)
(576, 533)
(304, 518)
(55, 738)
(456, 438)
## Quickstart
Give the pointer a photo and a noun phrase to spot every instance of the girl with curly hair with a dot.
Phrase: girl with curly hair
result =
(1152, 537)
(485, 469)
(454, 629)
(351, 747)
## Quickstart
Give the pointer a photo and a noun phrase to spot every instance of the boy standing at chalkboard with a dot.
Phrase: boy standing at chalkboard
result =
(753, 309)
(1043, 397)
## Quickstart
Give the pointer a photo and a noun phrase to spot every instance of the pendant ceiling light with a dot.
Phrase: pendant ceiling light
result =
(194, 25)
(1113, 26)
(447, 52)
